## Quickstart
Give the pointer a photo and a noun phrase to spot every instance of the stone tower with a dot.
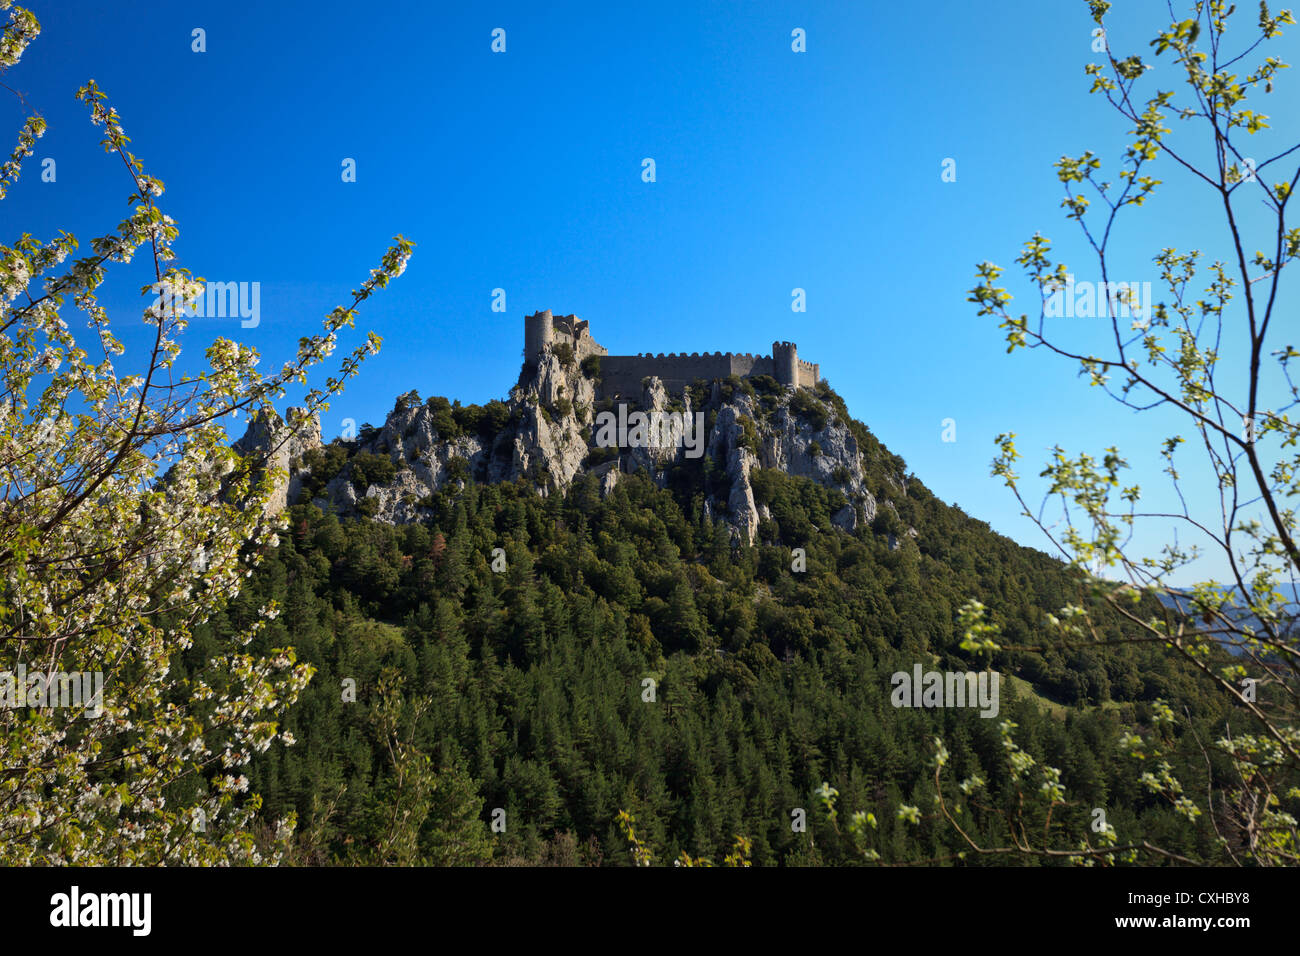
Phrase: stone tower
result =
(785, 362)
(538, 332)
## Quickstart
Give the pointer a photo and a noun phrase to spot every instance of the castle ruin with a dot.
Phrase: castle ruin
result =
(621, 375)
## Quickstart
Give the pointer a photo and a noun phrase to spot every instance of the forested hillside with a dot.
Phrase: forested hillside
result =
(524, 686)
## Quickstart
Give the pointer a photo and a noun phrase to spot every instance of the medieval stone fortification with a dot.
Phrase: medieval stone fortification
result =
(621, 375)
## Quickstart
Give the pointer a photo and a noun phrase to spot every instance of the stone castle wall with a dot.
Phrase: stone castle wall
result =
(808, 374)
(621, 375)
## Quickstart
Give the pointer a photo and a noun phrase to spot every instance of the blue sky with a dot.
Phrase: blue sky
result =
(522, 171)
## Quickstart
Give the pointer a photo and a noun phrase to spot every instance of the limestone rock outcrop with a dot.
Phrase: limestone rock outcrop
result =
(554, 428)
(269, 435)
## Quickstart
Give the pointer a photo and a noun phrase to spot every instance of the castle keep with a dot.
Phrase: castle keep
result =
(622, 374)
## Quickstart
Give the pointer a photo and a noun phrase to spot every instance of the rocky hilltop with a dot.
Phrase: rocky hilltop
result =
(551, 431)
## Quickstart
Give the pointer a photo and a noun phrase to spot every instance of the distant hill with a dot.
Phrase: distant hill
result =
(1238, 613)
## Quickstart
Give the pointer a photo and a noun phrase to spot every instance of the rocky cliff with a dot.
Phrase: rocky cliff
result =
(282, 447)
(553, 429)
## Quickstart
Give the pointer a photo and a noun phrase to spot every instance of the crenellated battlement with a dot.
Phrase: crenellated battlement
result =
(621, 375)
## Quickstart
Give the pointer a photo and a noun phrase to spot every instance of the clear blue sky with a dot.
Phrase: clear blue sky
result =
(522, 171)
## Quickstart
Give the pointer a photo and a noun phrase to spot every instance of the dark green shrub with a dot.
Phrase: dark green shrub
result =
(804, 406)
(368, 469)
(444, 420)
(324, 463)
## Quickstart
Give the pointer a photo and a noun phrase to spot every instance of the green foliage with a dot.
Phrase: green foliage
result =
(599, 455)
(457, 468)
(323, 463)
(444, 421)
(482, 420)
(130, 525)
(369, 469)
(453, 420)
(803, 405)
(733, 384)
(700, 392)
(1167, 355)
